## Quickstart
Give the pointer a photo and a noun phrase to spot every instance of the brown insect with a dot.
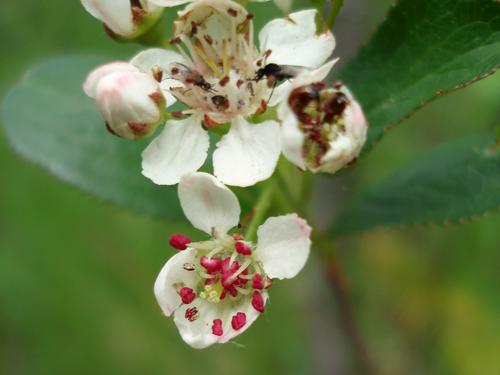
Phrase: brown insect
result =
(182, 73)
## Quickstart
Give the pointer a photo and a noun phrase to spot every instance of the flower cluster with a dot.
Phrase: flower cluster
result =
(218, 80)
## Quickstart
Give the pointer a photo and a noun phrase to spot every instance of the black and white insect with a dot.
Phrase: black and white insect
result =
(275, 73)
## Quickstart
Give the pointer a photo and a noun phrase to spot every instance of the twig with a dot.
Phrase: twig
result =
(337, 279)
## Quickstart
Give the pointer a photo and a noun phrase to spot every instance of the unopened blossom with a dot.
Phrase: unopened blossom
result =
(219, 75)
(217, 288)
(125, 19)
(323, 128)
(131, 101)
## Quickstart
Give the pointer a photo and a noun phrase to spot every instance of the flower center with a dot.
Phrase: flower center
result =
(320, 112)
(227, 270)
(218, 76)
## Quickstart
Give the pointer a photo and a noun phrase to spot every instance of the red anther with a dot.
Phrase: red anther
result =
(242, 248)
(258, 301)
(238, 320)
(212, 265)
(227, 279)
(179, 241)
(191, 314)
(187, 295)
(232, 291)
(210, 281)
(217, 327)
(209, 123)
(257, 282)
(225, 266)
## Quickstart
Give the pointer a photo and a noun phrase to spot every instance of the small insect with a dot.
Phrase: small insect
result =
(182, 73)
(276, 73)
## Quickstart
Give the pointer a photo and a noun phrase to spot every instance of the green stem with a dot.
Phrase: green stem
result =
(337, 279)
(334, 11)
(260, 209)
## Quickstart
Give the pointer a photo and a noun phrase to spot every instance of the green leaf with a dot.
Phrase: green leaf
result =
(451, 184)
(50, 121)
(424, 49)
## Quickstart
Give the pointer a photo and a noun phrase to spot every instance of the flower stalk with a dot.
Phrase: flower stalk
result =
(334, 12)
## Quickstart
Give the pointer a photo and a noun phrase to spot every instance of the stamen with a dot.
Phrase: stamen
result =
(179, 241)
(187, 295)
(192, 314)
(257, 282)
(217, 327)
(258, 301)
(242, 268)
(242, 248)
(238, 321)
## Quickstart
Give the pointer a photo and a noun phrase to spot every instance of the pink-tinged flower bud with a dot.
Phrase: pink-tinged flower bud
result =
(179, 241)
(324, 128)
(130, 101)
(124, 19)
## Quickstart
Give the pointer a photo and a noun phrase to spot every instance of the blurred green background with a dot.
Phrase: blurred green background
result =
(76, 274)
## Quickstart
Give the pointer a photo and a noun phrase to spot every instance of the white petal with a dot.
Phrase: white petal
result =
(316, 75)
(116, 14)
(283, 245)
(292, 138)
(279, 93)
(162, 59)
(172, 277)
(169, 3)
(208, 204)
(248, 153)
(295, 41)
(92, 80)
(198, 334)
(181, 148)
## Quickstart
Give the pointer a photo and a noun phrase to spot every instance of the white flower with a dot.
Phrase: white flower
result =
(131, 102)
(217, 288)
(214, 75)
(323, 129)
(124, 19)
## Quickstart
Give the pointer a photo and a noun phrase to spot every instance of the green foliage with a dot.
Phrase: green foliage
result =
(50, 121)
(451, 184)
(424, 49)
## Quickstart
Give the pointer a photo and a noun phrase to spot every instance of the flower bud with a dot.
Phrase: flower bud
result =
(130, 101)
(324, 129)
(124, 19)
